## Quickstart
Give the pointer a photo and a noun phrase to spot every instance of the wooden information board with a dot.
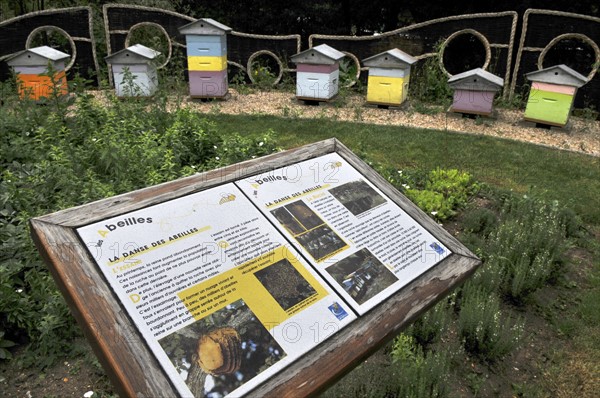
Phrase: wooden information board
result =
(271, 277)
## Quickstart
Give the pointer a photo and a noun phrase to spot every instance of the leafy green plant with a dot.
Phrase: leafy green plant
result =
(50, 162)
(238, 81)
(348, 70)
(445, 192)
(439, 193)
(429, 83)
(262, 75)
(431, 202)
(4, 344)
(456, 186)
(57, 100)
(129, 85)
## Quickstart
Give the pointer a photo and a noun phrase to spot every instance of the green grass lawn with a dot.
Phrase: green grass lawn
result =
(571, 178)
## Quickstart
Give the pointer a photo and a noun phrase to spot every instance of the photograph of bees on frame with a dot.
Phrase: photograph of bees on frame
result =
(222, 351)
(309, 230)
(362, 275)
(287, 286)
(357, 196)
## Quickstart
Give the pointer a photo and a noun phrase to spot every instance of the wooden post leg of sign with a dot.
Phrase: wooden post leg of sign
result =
(130, 339)
(131, 367)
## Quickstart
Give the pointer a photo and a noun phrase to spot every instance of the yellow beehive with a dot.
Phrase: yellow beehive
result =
(389, 76)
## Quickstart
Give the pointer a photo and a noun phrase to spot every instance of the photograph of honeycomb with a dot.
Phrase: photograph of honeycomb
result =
(357, 196)
(319, 240)
(287, 286)
(362, 275)
(222, 351)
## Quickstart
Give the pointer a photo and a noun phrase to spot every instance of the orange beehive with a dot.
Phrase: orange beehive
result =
(32, 67)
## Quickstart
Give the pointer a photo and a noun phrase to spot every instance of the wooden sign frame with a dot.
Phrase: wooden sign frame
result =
(131, 365)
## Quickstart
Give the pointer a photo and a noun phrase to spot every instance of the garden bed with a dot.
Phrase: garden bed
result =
(58, 157)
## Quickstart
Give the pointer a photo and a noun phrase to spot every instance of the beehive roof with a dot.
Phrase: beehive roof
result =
(321, 54)
(204, 26)
(476, 77)
(36, 55)
(558, 74)
(393, 58)
(137, 53)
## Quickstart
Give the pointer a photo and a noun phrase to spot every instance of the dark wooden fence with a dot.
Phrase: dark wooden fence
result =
(460, 43)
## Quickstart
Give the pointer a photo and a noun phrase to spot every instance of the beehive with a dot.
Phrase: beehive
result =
(32, 67)
(134, 71)
(206, 43)
(389, 76)
(474, 91)
(317, 73)
(552, 94)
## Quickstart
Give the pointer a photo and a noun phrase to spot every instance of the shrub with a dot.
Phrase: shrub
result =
(480, 221)
(412, 373)
(419, 374)
(429, 83)
(431, 325)
(527, 245)
(89, 152)
(485, 332)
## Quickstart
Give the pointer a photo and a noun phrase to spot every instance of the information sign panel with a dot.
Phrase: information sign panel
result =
(272, 277)
(217, 293)
(362, 242)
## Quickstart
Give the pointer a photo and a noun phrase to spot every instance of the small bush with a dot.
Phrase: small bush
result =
(430, 326)
(411, 373)
(480, 221)
(439, 193)
(527, 246)
(485, 332)
(419, 374)
(429, 83)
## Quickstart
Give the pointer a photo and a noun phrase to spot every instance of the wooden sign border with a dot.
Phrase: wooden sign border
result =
(132, 367)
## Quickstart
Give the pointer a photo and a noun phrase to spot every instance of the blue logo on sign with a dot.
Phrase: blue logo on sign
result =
(338, 311)
(438, 249)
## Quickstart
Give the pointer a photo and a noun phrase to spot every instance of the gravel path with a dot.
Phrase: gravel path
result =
(580, 135)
